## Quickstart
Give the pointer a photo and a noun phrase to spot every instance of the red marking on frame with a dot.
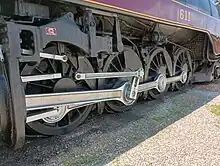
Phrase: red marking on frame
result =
(51, 31)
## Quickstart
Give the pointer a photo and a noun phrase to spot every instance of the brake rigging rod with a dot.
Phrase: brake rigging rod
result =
(62, 58)
(161, 82)
(87, 76)
(41, 77)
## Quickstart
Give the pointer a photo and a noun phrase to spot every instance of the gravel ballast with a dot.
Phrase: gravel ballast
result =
(193, 140)
(183, 129)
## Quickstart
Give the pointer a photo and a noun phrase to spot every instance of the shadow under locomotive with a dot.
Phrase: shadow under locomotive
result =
(103, 138)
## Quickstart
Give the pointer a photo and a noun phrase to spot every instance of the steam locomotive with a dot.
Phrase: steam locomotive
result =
(60, 60)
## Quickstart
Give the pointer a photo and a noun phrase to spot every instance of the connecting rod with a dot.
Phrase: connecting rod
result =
(126, 94)
(87, 76)
(161, 82)
(41, 101)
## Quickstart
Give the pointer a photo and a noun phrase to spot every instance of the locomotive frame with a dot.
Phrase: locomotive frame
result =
(90, 58)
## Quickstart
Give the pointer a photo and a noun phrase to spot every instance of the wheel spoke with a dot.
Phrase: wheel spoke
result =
(79, 112)
(41, 85)
(155, 64)
(115, 67)
(181, 57)
(178, 66)
(69, 117)
(161, 60)
(185, 58)
(153, 69)
(127, 60)
(52, 66)
(178, 60)
(39, 70)
(178, 72)
(48, 66)
(120, 63)
(157, 60)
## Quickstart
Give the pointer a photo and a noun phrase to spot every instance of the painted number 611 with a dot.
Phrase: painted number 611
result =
(184, 15)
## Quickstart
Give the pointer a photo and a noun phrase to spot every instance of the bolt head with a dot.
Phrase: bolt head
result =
(78, 76)
(162, 82)
(184, 77)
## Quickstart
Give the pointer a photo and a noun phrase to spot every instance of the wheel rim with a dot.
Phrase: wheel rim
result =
(72, 119)
(156, 67)
(128, 61)
(182, 63)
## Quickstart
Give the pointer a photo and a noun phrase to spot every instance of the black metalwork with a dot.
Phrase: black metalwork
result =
(17, 111)
(65, 84)
(126, 61)
(157, 62)
(182, 62)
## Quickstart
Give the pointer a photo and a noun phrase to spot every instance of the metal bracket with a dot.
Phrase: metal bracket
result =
(117, 38)
(92, 32)
(206, 74)
(62, 58)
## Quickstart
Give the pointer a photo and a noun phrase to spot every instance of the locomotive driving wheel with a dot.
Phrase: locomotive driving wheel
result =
(124, 62)
(63, 122)
(182, 63)
(157, 67)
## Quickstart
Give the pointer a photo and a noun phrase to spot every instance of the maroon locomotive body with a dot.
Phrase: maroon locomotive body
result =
(197, 15)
